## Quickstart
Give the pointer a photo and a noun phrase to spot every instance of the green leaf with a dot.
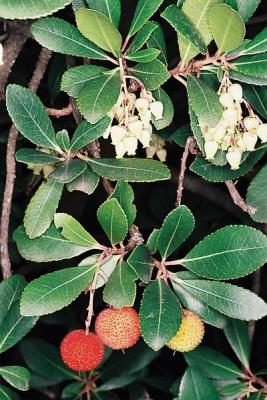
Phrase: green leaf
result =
(107, 267)
(87, 182)
(168, 109)
(51, 246)
(231, 252)
(181, 134)
(204, 102)
(258, 44)
(53, 291)
(152, 74)
(124, 193)
(97, 97)
(8, 394)
(120, 290)
(245, 8)
(152, 241)
(250, 79)
(197, 11)
(144, 56)
(14, 327)
(130, 169)
(41, 209)
(119, 381)
(29, 115)
(196, 130)
(144, 10)
(98, 28)
(87, 133)
(236, 333)
(257, 97)
(74, 232)
(157, 41)
(10, 292)
(227, 27)
(62, 37)
(35, 157)
(184, 27)
(141, 262)
(63, 140)
(141, 37)
(230, 300)
(256, 195)
(17, 377)
(20, 10)
(43, 357)
(212, 363)
(110, 8)
(196, 386)
(68, 170)
(234, 389)
(74, 79)
(160, 314)
(72, 390)
(113, 220)
(176, 228)
(254, 66)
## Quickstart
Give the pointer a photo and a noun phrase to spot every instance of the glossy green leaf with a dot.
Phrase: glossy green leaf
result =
(87, 133)
(106, 268)
(8, 394)
(97, 97)
(124, 193)
(53, 291)
(230, 300)
(141, 262)
(234, 389)
(254, 65)
(74, 79)
(160, 314)
(17, 377)
(29, 115)
(195, 386)
(35, 157)
(113, 220)
(110, 8)
(99, 29)
(236, 333)
(68, 170)
(168, 109)
(227, 27)
(245, 8)
(152, 74)
(204, 102)
(63, 140)
(257, 194)
(196, 130)
(212, 363)
(176, 228)
(257, 97)
(144, 56)
(228, 253)
(120, 290)
(144, 10)
(10, 292)
(51, 246)
(141, 37)
(70, 391)
(152, 241)
(130, 169)
(87, 182)
(258, 44)
(250, 79)
(157, 41)
(20, 10)
(74, 232)
(41, 209)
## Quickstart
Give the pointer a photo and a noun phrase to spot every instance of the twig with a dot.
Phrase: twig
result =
(38, 74)
(189, 143)
(90, 308)
(238, 200)
(54, 112)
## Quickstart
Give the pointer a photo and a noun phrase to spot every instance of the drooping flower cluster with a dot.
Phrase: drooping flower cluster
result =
(234, 133)
(133, 117)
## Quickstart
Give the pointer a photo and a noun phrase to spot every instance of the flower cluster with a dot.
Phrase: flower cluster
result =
(133, 121)
(157, 147)
(234, 133)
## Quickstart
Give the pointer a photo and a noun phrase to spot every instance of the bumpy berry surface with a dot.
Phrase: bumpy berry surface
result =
(81, 352)
(190, 333)
(118, 328)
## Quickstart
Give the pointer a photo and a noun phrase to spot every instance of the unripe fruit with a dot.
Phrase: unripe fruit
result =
(81, 352)
(226, 100)
(118, 328)
(190, 333)
(236, 92)
(251, 123)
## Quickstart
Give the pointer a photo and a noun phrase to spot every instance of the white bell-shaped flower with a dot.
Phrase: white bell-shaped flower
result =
(145, 137)
(219, 132)
(131, 101)
(230, 116)
(146, 118)
(210, 148)
(1, 54)
(226, 100)
(233, 157)
(135, 127)
(130, 143)
(241, 143)
(157, 109)
(251, 123)
(151, 151)
(117, 134)
(250, 140)
(142, 105)
(262, 132)
(120, 150)
(236, 92)
(162, 155)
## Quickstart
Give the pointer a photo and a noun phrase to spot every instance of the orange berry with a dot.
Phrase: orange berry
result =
(118, 328)
(80, 351)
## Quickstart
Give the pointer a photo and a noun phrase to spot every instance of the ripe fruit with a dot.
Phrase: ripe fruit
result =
(80, 351)
(190, 333)
(118, 328)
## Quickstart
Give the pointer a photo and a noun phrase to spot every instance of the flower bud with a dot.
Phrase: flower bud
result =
(146, 118)
(120, 150)
(117, 134)
(250, 140)
(230, 116)
(130, 143)
(220, 131)
(236, 92)
(233, 157)
(262, 132)
(251, 123)
(157, 109)
(145, 137)
(142, 105)
(211, 148)
(1, 54)
(162, 155)
(150, 151)
(226, 100)
(136, 128)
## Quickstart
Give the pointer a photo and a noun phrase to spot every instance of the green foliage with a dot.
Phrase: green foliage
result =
(256, 196)
(35, 10)
(202, 388)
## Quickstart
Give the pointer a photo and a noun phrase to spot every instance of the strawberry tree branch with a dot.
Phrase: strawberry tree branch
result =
(189, 145)
(238, 199)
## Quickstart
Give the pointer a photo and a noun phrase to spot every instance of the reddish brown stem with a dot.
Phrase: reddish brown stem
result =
(54, 112)
(238, 199)
(189, 143)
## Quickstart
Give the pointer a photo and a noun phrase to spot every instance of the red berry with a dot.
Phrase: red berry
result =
(80, 351)
(118, 328)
